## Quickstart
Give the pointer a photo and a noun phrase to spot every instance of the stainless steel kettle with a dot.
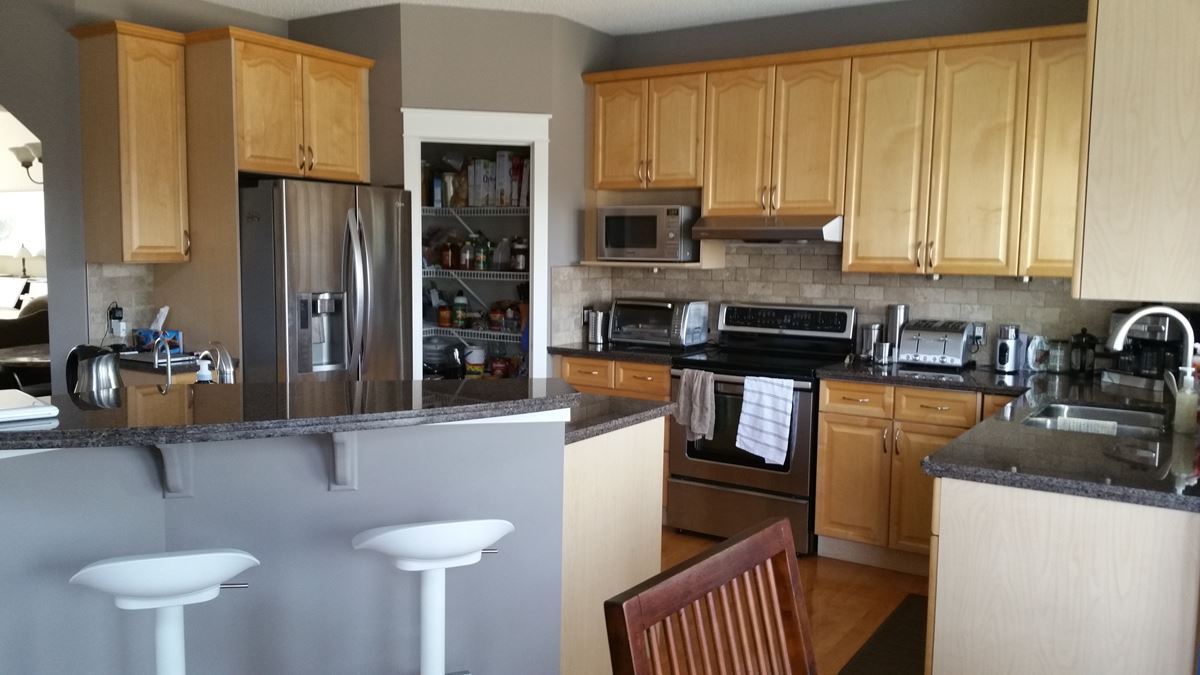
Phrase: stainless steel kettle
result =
(93, 369)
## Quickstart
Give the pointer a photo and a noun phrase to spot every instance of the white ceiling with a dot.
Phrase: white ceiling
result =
(615, 17)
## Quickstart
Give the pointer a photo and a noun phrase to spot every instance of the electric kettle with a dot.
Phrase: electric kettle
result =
(93, 369)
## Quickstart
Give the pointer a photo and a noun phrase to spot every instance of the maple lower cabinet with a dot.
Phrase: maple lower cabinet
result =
(132, 96)
(808, 166)
(887, 174)
(854, 471)
(911, 499)
(649, 133)
(978, 159)
(1141, 200)
(1053, 149)
(269, 100)
(737, 146)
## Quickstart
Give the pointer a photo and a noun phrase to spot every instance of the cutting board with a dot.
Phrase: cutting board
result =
(17, 405)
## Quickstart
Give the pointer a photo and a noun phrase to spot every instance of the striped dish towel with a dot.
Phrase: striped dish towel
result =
(766, 420)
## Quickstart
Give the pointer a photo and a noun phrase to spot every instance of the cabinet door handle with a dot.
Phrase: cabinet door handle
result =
(939, 408)
(187, 243)
(762, 197)
(312, 158)
(649, 171)
(775, 197)
(929, 254)
(856, 400)
(920, 250)
(303, 157)
(885, 440)
(638, 172)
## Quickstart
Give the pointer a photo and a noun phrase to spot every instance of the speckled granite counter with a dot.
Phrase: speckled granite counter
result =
(1003, 451)
(656, 355)
(595, 415)
(176, 366)
(983, 380)
(223, 412)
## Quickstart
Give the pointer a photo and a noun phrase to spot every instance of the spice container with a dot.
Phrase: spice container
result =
(1058, 357)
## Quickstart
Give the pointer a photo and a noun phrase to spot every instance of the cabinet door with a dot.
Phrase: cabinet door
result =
(978, 159)
(911, 508)
(1053, 145)
(812, 104)
(853, 477)
(335, 120)
(887, 188)
(675, 132)
(270, 109)
(620, 145)
(149, 407)
(737, 146)
(153, 151)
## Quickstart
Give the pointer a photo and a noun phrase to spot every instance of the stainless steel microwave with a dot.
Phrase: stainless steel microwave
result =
(648, 233)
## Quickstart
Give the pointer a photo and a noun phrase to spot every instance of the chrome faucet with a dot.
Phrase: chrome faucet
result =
(1116, 341)
(223, 363)
(159, 344)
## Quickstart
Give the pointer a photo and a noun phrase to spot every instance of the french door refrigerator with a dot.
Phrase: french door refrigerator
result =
(324, 281)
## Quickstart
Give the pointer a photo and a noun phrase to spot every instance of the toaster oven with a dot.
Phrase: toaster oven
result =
(660, 323)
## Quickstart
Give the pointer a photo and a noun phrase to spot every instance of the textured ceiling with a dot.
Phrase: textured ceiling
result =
(615, 17)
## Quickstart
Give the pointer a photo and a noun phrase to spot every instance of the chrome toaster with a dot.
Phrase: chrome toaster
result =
(933, 342)
(659, 323)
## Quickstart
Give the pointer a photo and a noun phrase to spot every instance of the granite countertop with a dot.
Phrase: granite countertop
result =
(223, 412)
(982, 380)
(640, 354)
(1003, 451)
(177, 367)
(596, 415)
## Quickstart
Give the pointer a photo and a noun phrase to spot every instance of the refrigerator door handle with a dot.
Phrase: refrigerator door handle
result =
(354, 299)
(364, 316)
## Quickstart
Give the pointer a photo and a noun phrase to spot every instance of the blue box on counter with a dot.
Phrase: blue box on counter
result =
(143, 339)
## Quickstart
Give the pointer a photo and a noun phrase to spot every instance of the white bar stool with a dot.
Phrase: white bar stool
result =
(431, 548)
(165, 582)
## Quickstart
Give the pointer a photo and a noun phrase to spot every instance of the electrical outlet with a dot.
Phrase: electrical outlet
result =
(978, 331)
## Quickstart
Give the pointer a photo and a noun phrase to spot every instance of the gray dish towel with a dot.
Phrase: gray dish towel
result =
(694, 409)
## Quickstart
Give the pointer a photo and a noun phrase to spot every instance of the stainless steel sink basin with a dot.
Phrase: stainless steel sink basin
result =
(1142, 424)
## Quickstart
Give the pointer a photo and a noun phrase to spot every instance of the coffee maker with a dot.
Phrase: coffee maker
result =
(1153, 348)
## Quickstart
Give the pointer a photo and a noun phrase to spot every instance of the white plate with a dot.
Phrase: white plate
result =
(17, 405)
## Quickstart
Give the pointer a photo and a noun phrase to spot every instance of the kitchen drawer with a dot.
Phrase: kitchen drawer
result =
(993, 403)
(856, 398)
(937, 406)
(641, 378)
(588, 372)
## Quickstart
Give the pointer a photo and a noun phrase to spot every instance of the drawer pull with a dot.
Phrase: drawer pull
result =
(591, 372)
(647, 378)
(939, 408)
(856, 400)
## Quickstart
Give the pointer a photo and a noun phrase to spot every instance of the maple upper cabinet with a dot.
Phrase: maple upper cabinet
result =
(808, 168)
(134, 143)
(1053, 148)
(737, 145)
(299, 110)
(1140, 231)
(649, 133)
(887, 182)
(978, 159)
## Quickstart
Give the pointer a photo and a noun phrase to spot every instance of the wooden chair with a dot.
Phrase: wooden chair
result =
(737, 608)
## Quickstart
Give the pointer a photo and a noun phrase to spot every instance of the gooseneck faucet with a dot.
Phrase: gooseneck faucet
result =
(162, 343)
(1116, 341)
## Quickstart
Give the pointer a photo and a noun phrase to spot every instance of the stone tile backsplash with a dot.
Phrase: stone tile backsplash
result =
(131, 286)
(811, 274)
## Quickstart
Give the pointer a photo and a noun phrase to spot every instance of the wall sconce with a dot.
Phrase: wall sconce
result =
(24, 253)
(27, 154)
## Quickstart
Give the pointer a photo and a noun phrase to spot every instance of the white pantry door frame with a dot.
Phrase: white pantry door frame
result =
(425, 125)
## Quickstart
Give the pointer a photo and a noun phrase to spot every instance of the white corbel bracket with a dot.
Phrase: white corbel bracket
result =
(343, 466)
(176, 470)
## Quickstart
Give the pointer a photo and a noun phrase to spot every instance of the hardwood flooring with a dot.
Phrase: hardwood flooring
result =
(846, 601)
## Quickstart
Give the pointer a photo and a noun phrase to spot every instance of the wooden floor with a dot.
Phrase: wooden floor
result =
(846, 602)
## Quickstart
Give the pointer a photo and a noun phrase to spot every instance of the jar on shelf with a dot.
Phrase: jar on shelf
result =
(520, 255)
(458, 317)
(466, 252)
(444, 316)
(448, 255)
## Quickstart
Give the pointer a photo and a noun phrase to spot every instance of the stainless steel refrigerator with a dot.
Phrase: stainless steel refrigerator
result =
(325, 278)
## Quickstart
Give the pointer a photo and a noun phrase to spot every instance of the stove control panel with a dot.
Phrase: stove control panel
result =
(800, 321)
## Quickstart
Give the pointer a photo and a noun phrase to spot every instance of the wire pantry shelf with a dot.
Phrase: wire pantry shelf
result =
(476, 275)
(475, 211)
(479, 335)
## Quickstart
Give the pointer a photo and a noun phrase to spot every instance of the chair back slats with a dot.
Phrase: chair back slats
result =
(734, 610)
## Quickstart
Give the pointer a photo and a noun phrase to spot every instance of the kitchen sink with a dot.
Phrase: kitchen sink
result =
(1142, 424)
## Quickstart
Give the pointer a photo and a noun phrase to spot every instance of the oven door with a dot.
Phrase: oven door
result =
(719, 460)
(631, 234)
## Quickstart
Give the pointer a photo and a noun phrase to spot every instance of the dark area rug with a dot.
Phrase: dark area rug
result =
(897, 647)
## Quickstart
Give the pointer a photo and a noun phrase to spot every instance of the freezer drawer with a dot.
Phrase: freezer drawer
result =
(723, 511)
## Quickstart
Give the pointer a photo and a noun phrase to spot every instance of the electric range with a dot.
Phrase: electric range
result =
(717, 488)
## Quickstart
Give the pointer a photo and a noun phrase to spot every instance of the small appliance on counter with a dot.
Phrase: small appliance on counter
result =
(1153, 347)
(658, 323)
(1011, 344)
(869, 335)
(595, 326)
(647, 233)
(935, 342)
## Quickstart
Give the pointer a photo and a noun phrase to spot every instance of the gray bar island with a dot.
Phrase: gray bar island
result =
(290, 474)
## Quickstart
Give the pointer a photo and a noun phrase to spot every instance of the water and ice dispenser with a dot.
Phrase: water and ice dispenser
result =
(321, 332)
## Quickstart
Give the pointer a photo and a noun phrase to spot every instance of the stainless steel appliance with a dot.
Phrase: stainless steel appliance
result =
(897, 316)
(1010, 349)
(649, 233)
(770, 227)
(92, 369)
(1153, 347)
(595, 326)
(869, 335)
(717, 488)
(934, 342)
(659, 323)
(323, 281)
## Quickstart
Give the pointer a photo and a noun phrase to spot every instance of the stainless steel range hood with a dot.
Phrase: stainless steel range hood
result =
(769, 228)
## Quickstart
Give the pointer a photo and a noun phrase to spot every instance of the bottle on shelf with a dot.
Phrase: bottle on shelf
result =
(502, 255)
(520, 255)
(466, 252)
(458, 317)
(483, 254)
(449, 254)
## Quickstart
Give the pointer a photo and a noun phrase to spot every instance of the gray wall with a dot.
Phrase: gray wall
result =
(314, 606)
(39, 83)
(843, 26)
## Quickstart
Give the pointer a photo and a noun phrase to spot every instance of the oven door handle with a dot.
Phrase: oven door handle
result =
(736, 379)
